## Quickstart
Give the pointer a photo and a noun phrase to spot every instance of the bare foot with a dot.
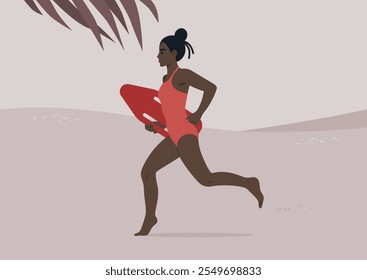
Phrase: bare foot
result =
(147, 226)
(254, 188)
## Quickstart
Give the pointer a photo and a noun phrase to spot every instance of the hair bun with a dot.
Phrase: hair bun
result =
(181, 34)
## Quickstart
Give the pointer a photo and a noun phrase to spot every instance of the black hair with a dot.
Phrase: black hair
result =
(178, 42)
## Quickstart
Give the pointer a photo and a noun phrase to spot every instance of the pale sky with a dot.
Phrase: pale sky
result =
(274, 62)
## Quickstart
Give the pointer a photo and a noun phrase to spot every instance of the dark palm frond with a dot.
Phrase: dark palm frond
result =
(105, 11)
(117, 12)
(133, 13)
(88, 16)
(49, 8)
(79, 11)
(151, 7)
(33, 6)
(74, 13)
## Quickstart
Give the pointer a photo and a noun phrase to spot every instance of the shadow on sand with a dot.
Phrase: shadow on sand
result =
(198, 234)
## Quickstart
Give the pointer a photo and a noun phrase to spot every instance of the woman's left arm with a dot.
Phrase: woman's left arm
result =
(192, 79)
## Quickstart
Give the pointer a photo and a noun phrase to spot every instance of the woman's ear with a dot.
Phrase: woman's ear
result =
(174, 53)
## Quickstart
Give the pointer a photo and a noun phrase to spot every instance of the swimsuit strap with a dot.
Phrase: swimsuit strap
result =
(174, 72)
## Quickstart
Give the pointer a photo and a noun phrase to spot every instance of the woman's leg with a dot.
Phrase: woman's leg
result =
(190, 154)
(162, 155)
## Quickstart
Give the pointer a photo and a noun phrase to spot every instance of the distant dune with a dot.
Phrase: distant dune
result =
(70, 188)
(346, 121)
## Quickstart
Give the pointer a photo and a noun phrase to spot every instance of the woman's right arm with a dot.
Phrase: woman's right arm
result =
(150, 127)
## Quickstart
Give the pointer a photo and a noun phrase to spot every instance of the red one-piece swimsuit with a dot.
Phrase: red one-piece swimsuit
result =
(173, 103)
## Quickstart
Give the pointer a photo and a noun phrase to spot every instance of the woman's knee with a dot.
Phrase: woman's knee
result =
(206, 181)
(147, 172)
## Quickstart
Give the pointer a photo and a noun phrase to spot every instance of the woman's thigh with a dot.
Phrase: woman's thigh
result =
(163, 154)
(190, 154)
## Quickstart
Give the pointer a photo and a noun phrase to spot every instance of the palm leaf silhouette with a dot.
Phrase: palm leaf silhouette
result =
(79, 11)
(105, 11)
(49, 8)
(33, 6)
(73, 12)
(133, 13)
(116, 10)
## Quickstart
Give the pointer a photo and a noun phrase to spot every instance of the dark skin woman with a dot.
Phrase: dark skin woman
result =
(183, 137)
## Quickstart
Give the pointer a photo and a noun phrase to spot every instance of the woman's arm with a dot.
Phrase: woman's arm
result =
(150, 127)
(192, 79)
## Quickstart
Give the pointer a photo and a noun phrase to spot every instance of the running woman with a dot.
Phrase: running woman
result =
(183, 136)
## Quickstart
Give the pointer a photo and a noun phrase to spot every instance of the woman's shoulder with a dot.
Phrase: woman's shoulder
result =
(183, 73)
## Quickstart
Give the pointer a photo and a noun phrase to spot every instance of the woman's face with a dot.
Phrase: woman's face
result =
(165, 56)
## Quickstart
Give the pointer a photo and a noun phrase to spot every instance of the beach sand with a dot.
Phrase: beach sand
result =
(71, 189)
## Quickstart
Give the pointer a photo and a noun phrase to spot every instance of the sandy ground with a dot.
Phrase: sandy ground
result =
(70, 188)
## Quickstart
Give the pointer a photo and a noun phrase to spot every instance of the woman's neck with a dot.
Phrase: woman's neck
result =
(171, 68)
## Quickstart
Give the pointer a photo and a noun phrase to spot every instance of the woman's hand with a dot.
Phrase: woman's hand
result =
(150, 127)
(194, 118)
